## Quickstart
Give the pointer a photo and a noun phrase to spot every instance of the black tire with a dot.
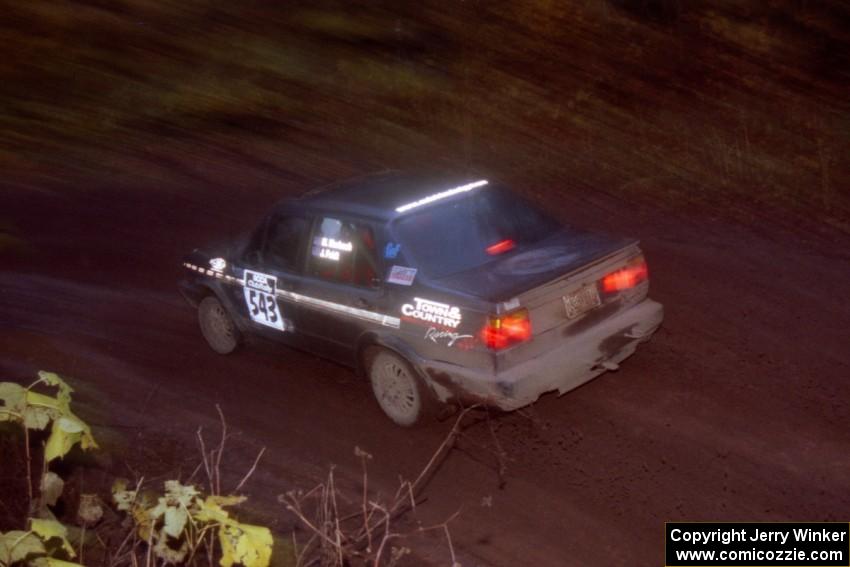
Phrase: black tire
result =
(217, 326)
(398, 389)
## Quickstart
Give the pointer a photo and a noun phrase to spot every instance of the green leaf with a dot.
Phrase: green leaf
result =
(158, 511)
(174, 507)
(52, 562)
(43, 400)
(175, 520)
(122, 497)
(71, 425)
(144, 522)
(227, 500)
(40, 409)
(209, 510)
(13, 400)
(49, 529)
(59, 442)
(179, 494)
(16, 546)
(138, 504)
(51, 488)
(37, 417)
(170, 555)
(87, 441)
(245, 544)
(53, 379)
(67, 430)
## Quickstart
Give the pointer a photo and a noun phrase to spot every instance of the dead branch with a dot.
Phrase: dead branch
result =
(343, 538)
(220, 451)
(250, 471)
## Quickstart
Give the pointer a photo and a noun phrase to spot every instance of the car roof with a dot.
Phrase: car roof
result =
(380, 195)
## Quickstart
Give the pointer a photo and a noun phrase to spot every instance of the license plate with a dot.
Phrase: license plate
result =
(581, 301)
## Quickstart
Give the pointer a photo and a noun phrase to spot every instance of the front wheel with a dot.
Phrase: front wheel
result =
(218, 328)
(398, 390)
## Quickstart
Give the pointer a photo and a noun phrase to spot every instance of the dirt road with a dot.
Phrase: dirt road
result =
(736, 410)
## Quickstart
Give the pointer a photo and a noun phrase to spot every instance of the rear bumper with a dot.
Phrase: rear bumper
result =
(580, 358)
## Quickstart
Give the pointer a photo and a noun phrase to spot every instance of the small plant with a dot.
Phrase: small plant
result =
(37, 546)
(175, 526)
(33, 410)
(182, 525)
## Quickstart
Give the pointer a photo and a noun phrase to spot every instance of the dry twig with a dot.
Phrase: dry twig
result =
(364, 535)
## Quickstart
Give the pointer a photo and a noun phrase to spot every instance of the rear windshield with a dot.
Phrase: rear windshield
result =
(466, 233)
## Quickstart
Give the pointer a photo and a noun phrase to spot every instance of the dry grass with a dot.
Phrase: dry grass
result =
(371, 532)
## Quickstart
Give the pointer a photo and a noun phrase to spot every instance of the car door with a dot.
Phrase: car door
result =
(342, 285)
(272, 277)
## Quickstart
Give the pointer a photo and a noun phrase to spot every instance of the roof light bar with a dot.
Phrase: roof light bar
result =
(441, 195)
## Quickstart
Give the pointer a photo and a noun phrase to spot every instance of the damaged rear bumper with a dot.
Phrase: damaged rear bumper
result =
(579, 359)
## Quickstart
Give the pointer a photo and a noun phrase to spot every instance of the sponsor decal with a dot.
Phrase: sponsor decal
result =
(391, 250)
(335, 244)
(436, 335)
(218, 264)
(401, 275)
(260, 290)
(330, 248)
(329, 254)
(433, 312)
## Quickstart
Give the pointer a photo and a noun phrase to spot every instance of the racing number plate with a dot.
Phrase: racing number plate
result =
(581, 301)
(260, 299)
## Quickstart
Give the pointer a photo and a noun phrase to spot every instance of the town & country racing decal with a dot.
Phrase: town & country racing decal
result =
(429, 311)
(436, 335)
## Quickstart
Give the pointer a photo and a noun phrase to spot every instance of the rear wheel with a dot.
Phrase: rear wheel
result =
(217, 327)
(399, 391)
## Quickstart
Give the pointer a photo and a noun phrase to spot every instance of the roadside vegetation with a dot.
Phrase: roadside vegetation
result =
(186, 522)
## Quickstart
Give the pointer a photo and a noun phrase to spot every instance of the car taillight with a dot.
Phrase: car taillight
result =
(626, 278)
(502, 331)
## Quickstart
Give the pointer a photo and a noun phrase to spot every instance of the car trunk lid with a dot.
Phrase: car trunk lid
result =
(559, 283)
(526, 272)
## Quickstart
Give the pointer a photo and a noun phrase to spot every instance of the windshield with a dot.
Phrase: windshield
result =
(466, 233)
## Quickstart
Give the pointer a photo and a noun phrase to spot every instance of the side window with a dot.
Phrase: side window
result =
(284, 241)
(254, 243)
(344, 252)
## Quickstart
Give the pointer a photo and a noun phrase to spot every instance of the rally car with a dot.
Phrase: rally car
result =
(441, 290)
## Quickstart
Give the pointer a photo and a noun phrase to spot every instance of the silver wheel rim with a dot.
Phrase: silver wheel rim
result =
(396, 391)
(218, 328)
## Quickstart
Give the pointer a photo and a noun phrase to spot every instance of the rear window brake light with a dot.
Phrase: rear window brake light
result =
(501, 247)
